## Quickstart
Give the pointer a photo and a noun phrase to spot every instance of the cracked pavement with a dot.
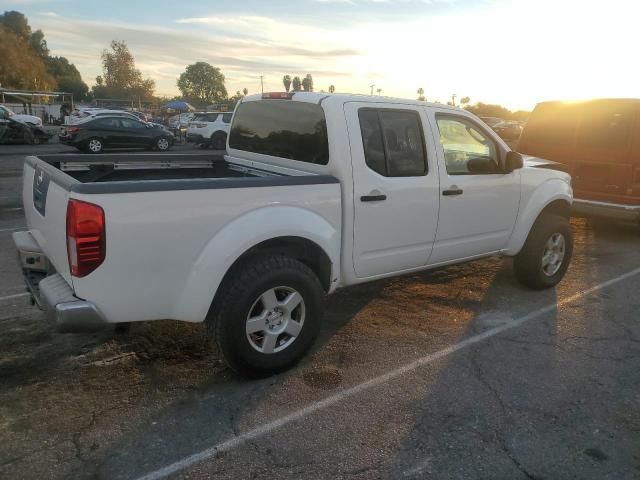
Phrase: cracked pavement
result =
(557, 397)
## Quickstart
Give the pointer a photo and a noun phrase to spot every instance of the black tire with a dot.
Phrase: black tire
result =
(162, 144)
(219, 141)
(240, 295)
(528, 264)
(94, 145)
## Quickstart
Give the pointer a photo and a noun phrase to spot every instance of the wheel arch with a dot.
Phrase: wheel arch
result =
(298, 232)
(553, 196)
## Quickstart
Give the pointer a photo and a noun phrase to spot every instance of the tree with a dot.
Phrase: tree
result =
(17, 23)
(297, 84)
(379, 91)
(307, 83)
(21, 67)
(245, 91)
(286, 81)
(465, 100)
(120, 76)
(488, 110)
(420, 93)
(332, 89)
(67, 76)
(202, 83)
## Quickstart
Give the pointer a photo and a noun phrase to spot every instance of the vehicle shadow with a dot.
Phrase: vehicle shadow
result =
(516, 405)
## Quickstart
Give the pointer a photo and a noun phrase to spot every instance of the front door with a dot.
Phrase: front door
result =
(478, 205)
(395, 188)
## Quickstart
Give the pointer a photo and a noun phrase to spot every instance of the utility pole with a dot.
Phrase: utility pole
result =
(372, 85)
(453, 99)
(261, 84)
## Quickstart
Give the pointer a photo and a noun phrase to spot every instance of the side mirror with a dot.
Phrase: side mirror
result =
(482, 164)
(513, 161)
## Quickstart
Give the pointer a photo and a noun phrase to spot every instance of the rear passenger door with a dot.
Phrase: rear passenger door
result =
(395, 188)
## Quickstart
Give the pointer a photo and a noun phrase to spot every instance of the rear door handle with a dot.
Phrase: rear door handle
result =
(451, 192)
(373, 198)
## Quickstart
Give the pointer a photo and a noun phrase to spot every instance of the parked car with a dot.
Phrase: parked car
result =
(317, 193)
(598, 142)
(181, 120)
(491, 121)
(210, 129)
(140, 115)
(30, 119)
(508, 130)
(94, 134)
(16, 132)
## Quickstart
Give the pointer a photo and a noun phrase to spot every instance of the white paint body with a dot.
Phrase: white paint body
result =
(168, 251)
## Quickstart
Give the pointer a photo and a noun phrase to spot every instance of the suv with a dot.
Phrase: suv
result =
(210, 129)
(30, 119)
(598, 143)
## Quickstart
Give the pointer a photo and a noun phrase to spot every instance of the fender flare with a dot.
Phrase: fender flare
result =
(237, 237)
(550, 191)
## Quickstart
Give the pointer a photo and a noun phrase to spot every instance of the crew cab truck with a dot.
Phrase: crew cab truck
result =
(317, 192)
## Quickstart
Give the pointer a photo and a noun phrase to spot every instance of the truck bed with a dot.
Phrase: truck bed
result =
(118, 167)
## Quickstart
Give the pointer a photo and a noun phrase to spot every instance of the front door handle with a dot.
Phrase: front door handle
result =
(451, 192)
(373, 198)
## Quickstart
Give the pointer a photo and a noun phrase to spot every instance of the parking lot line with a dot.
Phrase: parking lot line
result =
(14, 229)
(15, 295)
(267, 428)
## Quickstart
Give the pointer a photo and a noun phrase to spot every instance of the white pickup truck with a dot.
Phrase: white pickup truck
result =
(317, 192)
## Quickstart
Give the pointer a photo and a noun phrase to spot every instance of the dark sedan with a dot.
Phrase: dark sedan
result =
(95, 135)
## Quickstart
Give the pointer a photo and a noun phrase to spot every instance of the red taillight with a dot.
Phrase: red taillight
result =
(86, 246)
(277, 96)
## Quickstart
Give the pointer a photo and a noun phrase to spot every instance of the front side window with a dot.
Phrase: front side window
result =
(226, 117)
(467, 150)
(393, 142)
(605, 125)
(281, 128)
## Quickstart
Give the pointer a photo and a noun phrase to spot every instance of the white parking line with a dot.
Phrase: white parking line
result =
(16, 295)
(15, 229)
(374, 382)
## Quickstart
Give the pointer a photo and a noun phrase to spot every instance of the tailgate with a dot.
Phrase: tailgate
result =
(45, 192)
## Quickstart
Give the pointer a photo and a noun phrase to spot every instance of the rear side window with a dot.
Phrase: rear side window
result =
(106, 123)
(281, 128)
(226, 118)
(206, 117)
(393, 142)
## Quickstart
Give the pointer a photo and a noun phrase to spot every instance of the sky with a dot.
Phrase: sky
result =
(511, 52)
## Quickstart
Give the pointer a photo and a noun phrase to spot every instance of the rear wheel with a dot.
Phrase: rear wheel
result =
(546, 254)
(267, 315)
(219, 141)
(163, 144)
(94, 145)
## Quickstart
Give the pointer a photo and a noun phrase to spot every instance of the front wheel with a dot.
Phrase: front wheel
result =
(546, 254)
(267, 315)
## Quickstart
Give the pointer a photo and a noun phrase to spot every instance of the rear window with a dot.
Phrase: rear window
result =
(281, 128)
(226, 118)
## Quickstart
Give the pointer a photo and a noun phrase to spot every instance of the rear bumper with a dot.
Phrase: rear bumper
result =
(52, 293)
(616, 211)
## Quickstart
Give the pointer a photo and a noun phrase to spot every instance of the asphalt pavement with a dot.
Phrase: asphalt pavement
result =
(459, 373)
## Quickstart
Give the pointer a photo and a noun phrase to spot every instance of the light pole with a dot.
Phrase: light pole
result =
(453, 99)
(261, 84)
(372, 85)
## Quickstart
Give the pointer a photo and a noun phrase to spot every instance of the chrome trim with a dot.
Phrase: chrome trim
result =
(617, 211)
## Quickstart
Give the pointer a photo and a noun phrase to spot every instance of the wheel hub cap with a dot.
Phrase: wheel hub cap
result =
(553, 254)
(275, 320)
